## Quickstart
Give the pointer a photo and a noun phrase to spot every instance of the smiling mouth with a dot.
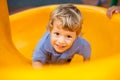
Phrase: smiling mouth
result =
(59, 46)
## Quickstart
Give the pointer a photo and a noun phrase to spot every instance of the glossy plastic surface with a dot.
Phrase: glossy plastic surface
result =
(19, 37)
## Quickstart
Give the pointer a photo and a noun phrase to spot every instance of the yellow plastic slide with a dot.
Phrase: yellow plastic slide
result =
(20, 32)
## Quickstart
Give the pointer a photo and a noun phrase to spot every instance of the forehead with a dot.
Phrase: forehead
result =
(57, 26)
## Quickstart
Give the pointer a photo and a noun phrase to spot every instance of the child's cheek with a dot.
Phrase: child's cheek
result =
(54, 38)
(69, 42)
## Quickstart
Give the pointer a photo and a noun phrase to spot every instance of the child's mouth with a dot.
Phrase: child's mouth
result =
(59, 46)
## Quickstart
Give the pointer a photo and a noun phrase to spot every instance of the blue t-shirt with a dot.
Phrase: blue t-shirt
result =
(45, 53)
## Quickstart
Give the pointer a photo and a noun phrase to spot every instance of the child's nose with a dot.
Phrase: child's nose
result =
(61, 40)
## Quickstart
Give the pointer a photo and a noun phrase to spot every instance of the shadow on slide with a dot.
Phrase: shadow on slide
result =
(20, 32)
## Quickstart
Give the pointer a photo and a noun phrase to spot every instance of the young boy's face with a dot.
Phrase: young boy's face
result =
(61, 39)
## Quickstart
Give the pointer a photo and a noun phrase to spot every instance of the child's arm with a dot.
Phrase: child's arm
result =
(37, 64)
(40, 54)
(85, 50)
(86, 59)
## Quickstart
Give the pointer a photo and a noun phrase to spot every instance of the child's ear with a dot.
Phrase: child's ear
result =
(77, 36)
(49, 31)
(81, 34)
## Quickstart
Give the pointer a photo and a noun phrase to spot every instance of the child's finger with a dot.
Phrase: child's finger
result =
(112, 10)
(109, 13)
(117, 11)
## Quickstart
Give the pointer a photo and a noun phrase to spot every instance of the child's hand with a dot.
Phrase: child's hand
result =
(112, 10)
(36, 65)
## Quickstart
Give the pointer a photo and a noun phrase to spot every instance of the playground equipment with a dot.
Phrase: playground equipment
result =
(20, 32)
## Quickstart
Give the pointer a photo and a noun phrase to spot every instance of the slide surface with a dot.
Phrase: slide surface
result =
(20, 32)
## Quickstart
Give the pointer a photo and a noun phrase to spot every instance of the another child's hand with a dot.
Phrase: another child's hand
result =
(112, 10)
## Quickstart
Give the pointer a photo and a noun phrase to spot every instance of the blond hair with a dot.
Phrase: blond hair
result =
(69, 15)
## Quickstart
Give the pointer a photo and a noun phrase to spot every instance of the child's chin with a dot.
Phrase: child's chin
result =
(59, 51)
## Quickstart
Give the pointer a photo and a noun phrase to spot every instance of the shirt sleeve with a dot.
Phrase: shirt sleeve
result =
(85, 49)
(39, 53)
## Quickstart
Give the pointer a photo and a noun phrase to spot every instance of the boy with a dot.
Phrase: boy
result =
(61, 41)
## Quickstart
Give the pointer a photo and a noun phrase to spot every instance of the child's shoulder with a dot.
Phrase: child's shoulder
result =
(82, 41)
(45, 36)
(44, 39)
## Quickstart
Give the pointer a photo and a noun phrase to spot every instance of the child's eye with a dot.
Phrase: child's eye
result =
(69, 36)
(56, 33)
